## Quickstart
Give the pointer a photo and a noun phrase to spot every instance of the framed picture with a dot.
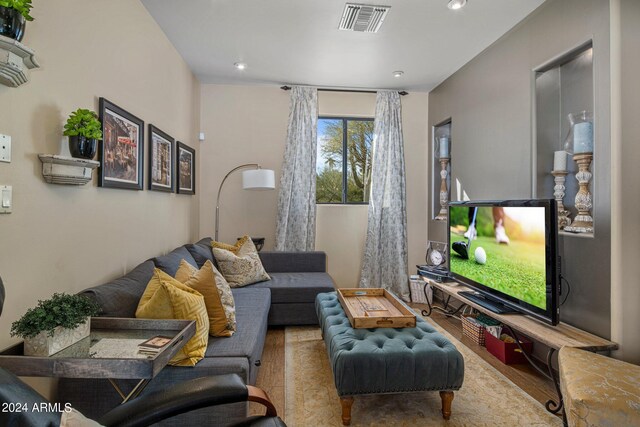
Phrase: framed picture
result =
(186, 166)
(160, 160)
(121, 150)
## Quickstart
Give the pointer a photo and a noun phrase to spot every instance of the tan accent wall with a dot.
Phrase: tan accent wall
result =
(242, 124)
(66, 238)
(247, 124)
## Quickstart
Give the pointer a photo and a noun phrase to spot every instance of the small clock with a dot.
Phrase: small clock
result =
(436, 254)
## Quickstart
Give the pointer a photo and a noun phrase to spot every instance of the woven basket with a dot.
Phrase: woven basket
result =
(472, 330)
(418, 290)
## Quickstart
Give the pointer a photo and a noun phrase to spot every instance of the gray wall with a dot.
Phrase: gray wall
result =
(491, 105)
(625, 293)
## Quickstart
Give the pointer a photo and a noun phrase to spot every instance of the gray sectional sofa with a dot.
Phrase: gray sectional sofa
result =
(287, 299)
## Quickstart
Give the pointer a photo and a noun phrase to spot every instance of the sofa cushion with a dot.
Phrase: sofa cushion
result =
(120, 297)
(201, 252)
(296, 287)
(252, 310)
(294, 262)
(170, 262)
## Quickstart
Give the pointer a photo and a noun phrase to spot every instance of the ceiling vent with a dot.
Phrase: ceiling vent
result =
(362, 17)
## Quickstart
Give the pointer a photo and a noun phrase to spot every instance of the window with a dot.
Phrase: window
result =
(343, 165)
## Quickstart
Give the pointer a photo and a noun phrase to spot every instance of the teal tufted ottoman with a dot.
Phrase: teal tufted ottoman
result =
(386, 360)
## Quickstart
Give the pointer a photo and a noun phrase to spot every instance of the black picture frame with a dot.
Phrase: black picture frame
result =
(186, 169)
(161, 163)
(121, 151)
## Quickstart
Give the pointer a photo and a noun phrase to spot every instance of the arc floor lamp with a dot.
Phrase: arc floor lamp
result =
(255, 178)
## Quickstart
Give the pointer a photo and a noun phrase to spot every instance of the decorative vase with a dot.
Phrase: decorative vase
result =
(44, 345)
(82, 147)
(12, 23)
(580, 136)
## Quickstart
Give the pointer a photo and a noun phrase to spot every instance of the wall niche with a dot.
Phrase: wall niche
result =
(564, 86)
(441, 170)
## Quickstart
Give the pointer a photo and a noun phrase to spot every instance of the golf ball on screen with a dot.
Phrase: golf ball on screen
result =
(481, 255)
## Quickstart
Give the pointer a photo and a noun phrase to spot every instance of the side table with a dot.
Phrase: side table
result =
(110, 351)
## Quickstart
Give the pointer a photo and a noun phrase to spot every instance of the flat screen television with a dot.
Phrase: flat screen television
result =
(507, 251)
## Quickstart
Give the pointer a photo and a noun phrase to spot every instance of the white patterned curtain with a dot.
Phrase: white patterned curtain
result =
(296, 220)
(385, 254)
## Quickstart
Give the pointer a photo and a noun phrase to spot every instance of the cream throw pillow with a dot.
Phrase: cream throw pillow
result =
(241, 266)
(217, 296)
(167, 298)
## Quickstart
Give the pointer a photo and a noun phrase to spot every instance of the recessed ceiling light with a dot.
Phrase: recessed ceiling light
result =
(456, 4)
(398, 73)
(240, 65)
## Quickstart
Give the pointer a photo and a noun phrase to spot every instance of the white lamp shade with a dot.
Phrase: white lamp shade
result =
(258, 179)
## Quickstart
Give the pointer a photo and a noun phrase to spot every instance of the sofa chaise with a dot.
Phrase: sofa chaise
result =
(287, 299)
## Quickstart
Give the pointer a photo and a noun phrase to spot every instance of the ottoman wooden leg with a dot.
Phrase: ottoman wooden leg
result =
(447, 398)
(346, 403)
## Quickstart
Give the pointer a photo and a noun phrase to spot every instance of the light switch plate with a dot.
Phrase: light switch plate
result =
(6, 199)
(5, 148)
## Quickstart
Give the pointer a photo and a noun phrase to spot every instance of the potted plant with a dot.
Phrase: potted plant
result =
(55, 324)
(14, 15)
(84, 131)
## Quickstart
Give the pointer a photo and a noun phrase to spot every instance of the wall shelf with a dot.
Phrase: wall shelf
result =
(582, 235)
(16, 60)
(66, 170)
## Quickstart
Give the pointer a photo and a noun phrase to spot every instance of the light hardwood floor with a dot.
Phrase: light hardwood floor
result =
(271, 374)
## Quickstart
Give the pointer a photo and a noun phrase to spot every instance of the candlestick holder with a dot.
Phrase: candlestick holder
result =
(583, 222)
(444, 191)
(558, 193)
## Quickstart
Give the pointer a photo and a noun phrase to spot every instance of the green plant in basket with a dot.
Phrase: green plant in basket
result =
(67, 311)
(83, 122)
(22, 6)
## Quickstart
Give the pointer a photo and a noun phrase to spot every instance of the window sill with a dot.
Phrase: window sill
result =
(338, 205)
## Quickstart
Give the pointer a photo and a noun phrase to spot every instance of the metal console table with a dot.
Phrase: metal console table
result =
(554, 337)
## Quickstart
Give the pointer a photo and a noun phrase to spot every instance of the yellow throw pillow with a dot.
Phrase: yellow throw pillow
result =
(217, 296)
(167, 298)
(242, 267)
(185, 271)
(232, 248)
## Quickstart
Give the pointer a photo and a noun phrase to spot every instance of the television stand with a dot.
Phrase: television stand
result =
(487, 302)
(554, 337)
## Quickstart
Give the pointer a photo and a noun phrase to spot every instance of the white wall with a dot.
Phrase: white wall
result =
(247, 124)
(66, 238)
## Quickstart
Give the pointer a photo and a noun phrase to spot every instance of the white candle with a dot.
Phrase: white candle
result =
(560, 161)
(583, 138)
(444, 147)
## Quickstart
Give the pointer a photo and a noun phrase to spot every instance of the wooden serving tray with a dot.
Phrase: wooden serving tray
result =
(375, 308)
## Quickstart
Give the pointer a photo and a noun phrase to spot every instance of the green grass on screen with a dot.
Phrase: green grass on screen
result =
(517, 269)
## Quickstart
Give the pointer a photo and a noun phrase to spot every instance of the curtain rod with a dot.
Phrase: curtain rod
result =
(400, 92)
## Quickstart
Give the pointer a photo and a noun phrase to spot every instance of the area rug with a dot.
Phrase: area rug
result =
(487, 398)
